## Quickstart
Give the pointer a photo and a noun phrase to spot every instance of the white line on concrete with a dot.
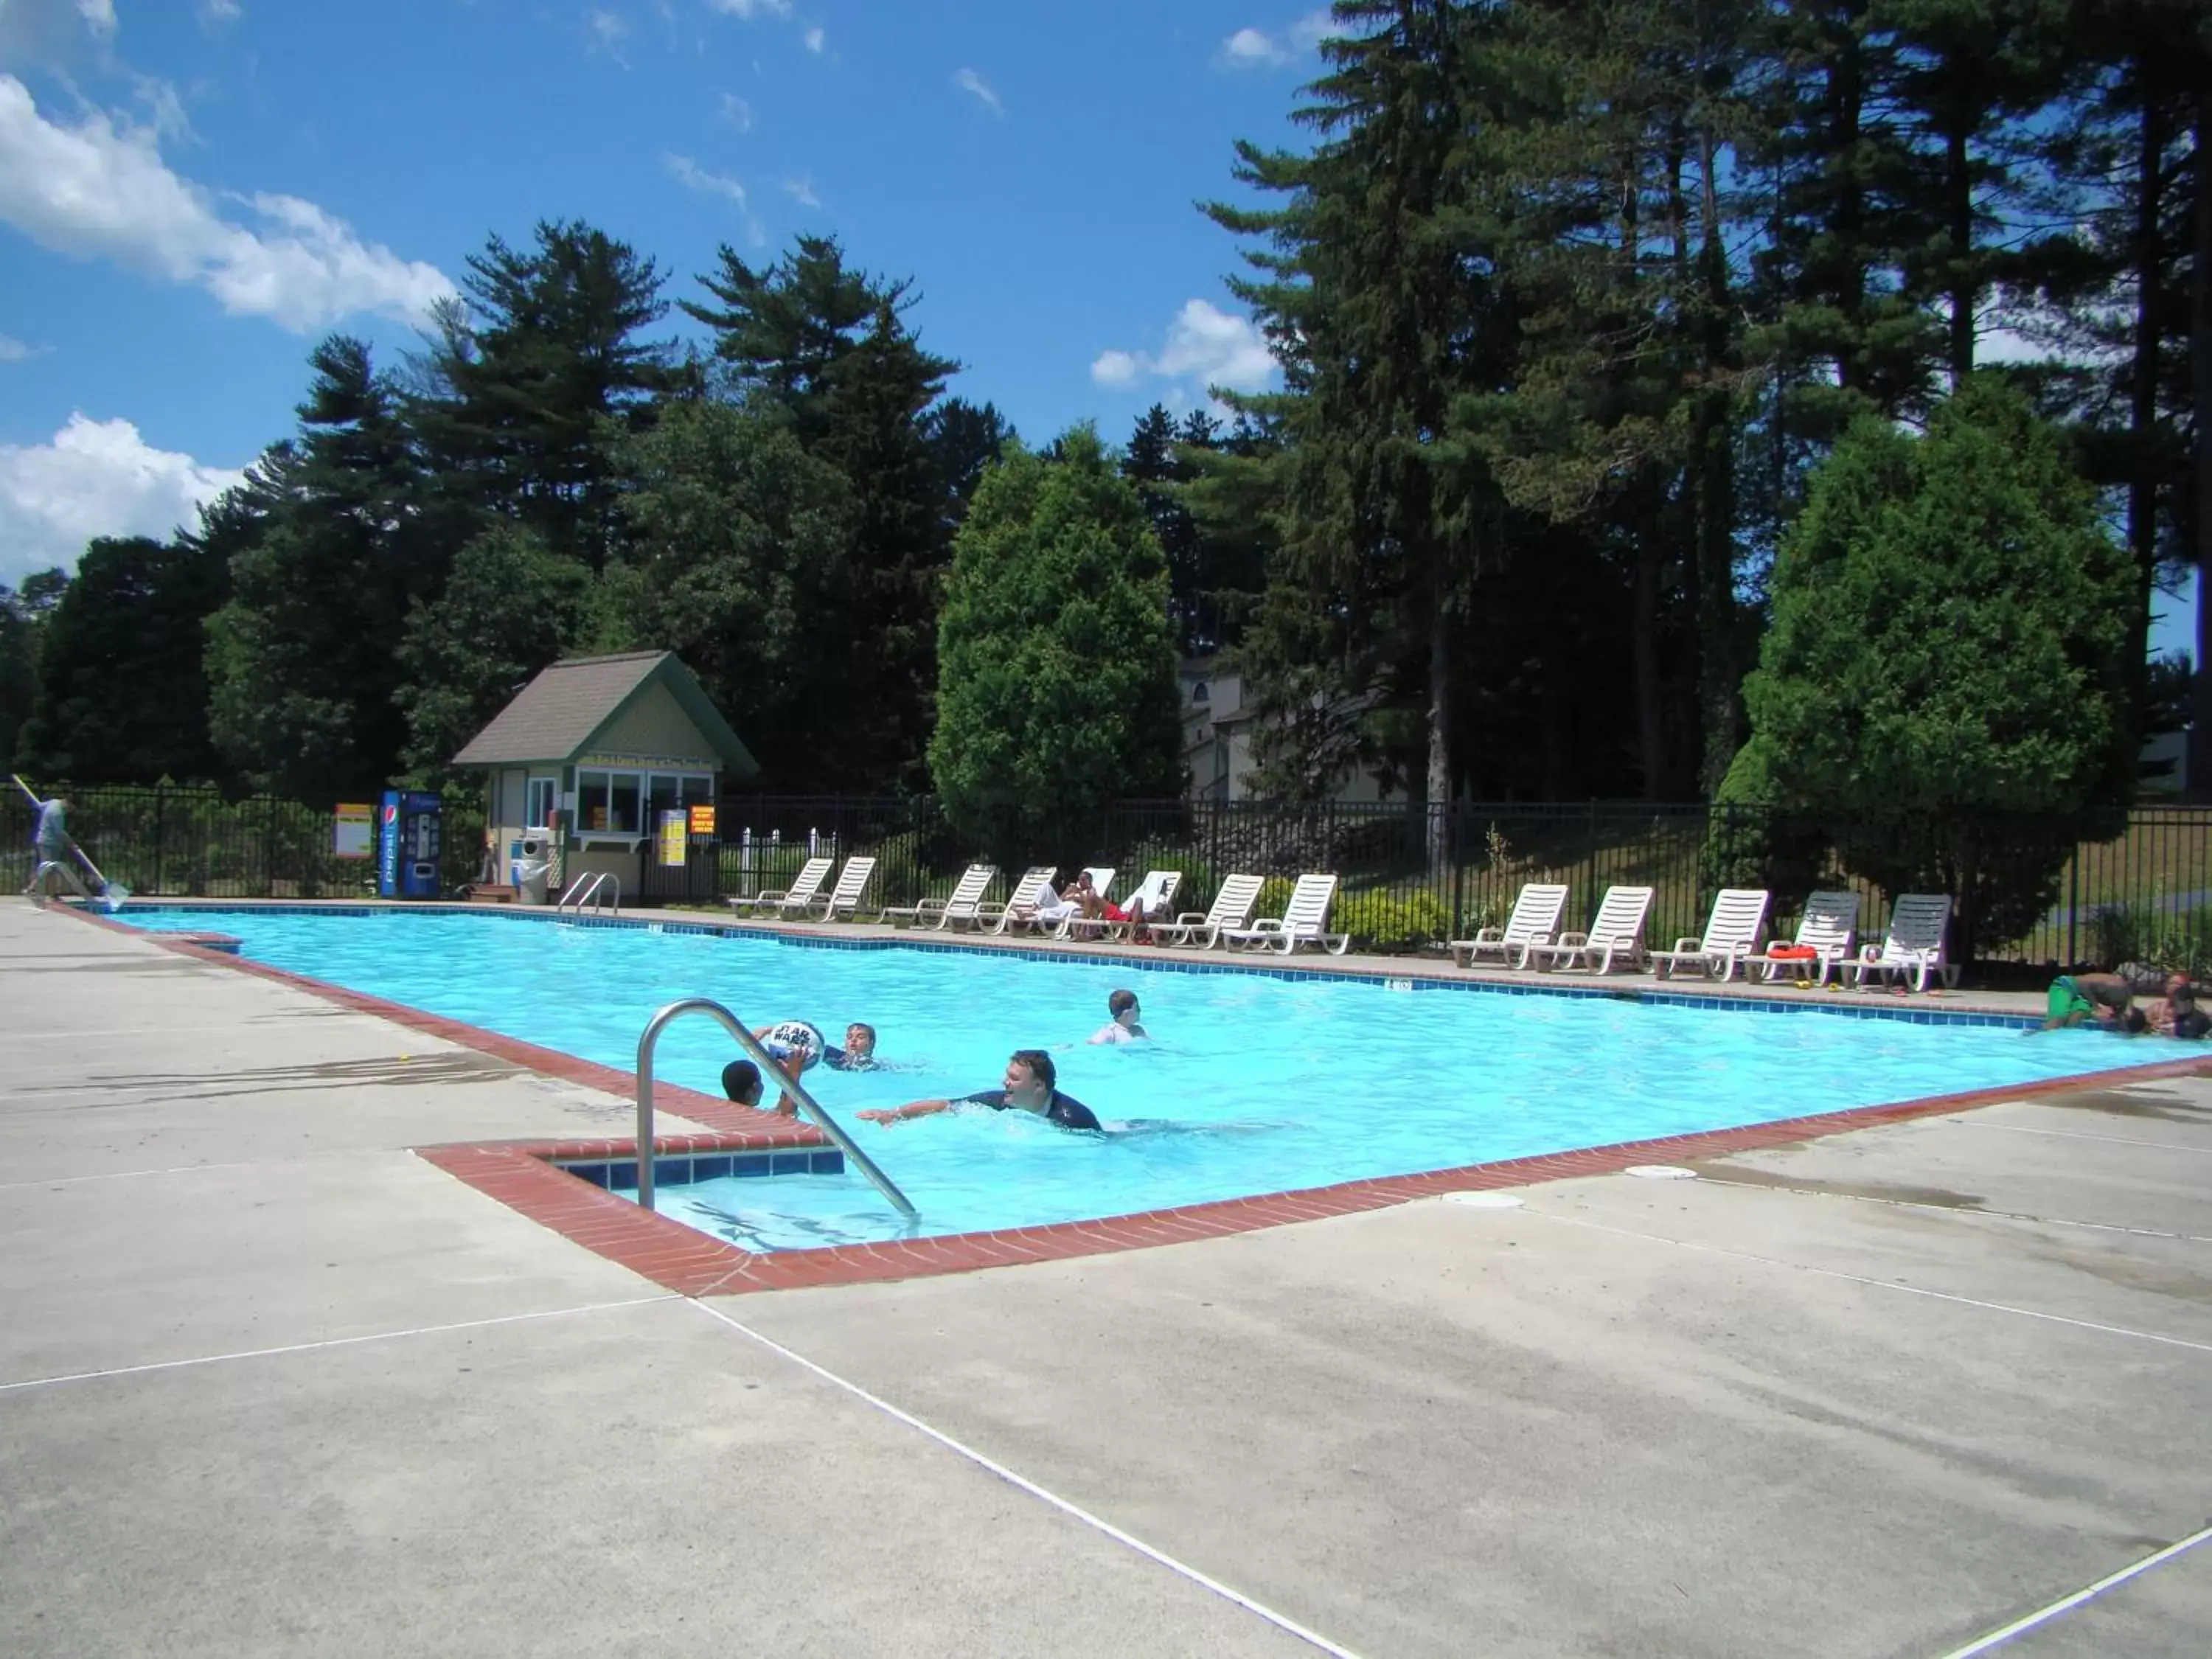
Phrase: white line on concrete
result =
(1966, 1211)
(1290, 1626)
(333, 1342)
(185, 1169)
(2045, 1615)
(2076, 1134)
(1878, 1283)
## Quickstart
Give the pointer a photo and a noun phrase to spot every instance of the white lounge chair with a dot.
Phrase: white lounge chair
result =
(805, 886)
(1617, 931)
(1232, 908)
(1731, 937)
(1302, 922)
(1830, 927)
(1030, 894)
(1155, 894)
(1913, 944)
(1535, 918)
(962, 907)
(852, 881)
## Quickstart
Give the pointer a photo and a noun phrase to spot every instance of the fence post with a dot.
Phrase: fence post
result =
(160, 825)
(2073, 908)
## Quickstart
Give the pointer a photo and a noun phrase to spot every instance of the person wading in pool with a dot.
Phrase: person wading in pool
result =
(2105, 999)
(1029, 1087)
(1121, 1024)
(796, 1045)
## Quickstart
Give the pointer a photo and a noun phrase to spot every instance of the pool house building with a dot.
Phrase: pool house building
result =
(585, 766)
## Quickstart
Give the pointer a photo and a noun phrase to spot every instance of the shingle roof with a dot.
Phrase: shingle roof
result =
(555, 717)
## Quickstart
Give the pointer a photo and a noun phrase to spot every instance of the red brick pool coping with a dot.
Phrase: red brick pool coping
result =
(522, 1174)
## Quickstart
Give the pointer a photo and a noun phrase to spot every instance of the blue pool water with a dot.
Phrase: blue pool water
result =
(1253, 1083)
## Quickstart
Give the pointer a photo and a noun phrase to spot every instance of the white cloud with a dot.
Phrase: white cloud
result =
(750, 10)
(968, 80)
(1253, 49)
(1116, 367)
(1204, 343)
(1310, 30)
(801, 190)
(816, 40)
(693, 177)
(734, 110)
(164, 106)
(98, 16)
(94, 478)
(219, 14)
(101, 190)
(13, 350)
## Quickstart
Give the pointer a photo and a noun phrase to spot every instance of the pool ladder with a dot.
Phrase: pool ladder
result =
(593, 895)
(760, 1056)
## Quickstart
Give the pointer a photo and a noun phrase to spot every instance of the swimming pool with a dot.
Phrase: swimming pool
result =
(1253, 1083)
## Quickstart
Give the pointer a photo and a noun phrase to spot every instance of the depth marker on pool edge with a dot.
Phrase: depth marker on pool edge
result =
(1288, 1625)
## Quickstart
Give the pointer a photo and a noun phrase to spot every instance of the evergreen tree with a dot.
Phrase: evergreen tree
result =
(741, 561)
(829, 346)
(1058, 692)
(527, 374)
(510, 606)
(121, 697)
(331, 550)
(1944, 683)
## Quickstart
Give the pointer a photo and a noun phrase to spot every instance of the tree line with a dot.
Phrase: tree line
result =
(1578, 308)
(549, 476)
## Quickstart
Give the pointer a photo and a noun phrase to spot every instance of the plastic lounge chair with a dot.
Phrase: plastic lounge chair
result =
(1155, 893)
(797, 897)
(966, 900)
(1302, 921)
(1028, 894)
(1731, 936)
(1101, 882)
(1617, 931)
(1913, 944)
(1232, 908)
(852, 881)
(1535, 918)
(1829, 928)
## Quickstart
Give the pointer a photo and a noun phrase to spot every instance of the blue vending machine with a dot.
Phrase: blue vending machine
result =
(407, 845)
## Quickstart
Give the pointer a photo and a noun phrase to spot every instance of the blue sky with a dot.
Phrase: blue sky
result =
(194, 191)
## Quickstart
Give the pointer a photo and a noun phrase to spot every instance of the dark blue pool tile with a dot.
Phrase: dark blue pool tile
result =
(623, 1174)
(709, 1169)
(671, 1171)
(594, 1173)
(748, 1164)
(791, 1163)
(829, 1162)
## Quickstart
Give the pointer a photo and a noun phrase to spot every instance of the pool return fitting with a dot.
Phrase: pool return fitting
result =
(760, 1056)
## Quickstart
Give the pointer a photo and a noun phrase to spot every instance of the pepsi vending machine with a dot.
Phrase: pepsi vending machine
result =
(407, 835)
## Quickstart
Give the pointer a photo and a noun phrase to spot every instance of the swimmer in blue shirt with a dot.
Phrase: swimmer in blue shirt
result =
(1030, 1085)
(796, 1045)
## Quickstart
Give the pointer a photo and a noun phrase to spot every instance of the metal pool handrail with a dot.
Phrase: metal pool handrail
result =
(760, 1056)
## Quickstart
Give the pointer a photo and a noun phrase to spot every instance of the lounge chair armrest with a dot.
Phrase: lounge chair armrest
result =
(1688, 947)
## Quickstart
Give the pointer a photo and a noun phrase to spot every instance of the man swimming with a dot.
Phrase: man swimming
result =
(1030, 1085)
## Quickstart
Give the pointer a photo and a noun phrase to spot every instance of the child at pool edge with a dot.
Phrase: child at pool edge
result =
(1121, 1026)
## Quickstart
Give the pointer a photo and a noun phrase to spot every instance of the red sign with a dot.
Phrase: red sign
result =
(702, 820)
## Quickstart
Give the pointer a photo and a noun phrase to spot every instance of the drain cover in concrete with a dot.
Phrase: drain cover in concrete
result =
(1660, 1172)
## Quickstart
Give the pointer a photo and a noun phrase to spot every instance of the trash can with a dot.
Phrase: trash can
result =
(531, 870)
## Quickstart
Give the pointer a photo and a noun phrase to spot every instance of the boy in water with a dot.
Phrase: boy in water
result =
(1121, 1024)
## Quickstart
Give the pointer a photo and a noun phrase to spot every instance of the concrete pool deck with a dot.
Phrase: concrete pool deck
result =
(270, 1382)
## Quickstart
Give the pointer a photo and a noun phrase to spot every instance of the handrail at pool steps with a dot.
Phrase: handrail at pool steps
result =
(593, 893)
(761, 1057)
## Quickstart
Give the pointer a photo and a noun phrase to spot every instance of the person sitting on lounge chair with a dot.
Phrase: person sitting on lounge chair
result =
(1078, 898)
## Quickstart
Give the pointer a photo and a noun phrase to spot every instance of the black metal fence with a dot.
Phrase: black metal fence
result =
(1411, 876)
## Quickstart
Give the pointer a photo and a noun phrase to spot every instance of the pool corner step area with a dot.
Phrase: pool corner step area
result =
(619, 1174)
